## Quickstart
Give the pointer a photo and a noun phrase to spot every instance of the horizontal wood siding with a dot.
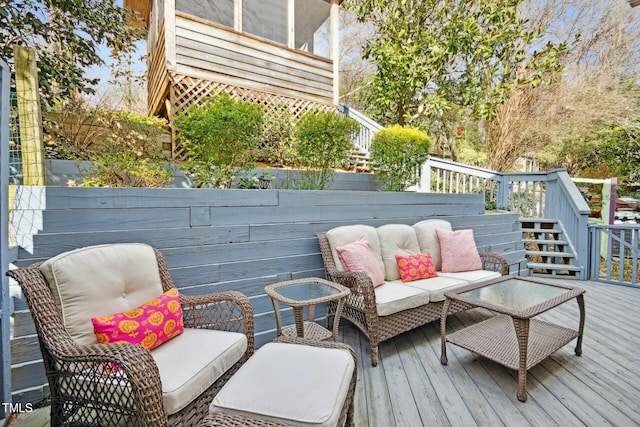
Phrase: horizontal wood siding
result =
(216, 240)
(213, 52)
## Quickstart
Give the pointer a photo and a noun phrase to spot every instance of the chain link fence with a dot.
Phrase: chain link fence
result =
(15, 162)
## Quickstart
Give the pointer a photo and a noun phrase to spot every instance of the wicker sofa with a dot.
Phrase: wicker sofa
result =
(126, 384)
(395, 307)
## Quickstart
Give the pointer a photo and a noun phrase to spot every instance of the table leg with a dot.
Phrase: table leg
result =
(336, 319)
(276, 311)
(580, 299)
(443, 331)
(522, 332)
(298, 316)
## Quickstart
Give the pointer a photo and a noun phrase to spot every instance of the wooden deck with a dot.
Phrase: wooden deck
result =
(410, 387)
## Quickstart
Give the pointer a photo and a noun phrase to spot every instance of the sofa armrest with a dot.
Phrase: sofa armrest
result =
(492, 261)
(226, 311)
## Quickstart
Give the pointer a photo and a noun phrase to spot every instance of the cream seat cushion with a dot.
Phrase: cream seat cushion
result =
(99, 281)
(289, 383)
(396, 239)
(473, 276)
(435, 286)
(393, 297)
(189, 363)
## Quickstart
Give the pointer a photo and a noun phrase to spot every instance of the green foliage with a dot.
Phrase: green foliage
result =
(277, 145)
(66, 35)
(620, 149)
(129, 155)
(396, 153)
(218, 136)
(126, 169)
(323, 143)
(434, 56)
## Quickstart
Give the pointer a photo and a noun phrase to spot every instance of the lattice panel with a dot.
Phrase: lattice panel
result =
(187, 90)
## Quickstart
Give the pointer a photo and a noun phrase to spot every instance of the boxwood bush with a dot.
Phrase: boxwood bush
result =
(396, 153)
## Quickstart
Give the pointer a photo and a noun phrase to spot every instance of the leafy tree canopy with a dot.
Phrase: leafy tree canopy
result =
(65, 35)
(434, 56)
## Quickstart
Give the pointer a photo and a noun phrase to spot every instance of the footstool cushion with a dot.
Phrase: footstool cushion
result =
(291, 384)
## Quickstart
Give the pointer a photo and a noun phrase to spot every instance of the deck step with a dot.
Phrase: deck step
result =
(540, 220)
(550, 254)
(555, 267)
(546, 241)
(541, 230)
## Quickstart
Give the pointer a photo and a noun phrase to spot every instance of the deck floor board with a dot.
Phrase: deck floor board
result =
(410, 387)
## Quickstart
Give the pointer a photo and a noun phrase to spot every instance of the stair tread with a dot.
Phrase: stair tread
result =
(539, 220)
(541, 230)
(546, 241)
(545, 266)
(551, 254)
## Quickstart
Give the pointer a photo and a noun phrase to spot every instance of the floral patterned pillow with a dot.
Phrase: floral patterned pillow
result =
(149, 325)
(415, 267)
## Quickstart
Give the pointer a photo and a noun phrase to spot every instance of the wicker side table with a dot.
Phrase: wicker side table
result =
(303, 293)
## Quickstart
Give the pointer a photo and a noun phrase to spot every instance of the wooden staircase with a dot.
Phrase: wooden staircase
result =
(548, 251)
(359, 160)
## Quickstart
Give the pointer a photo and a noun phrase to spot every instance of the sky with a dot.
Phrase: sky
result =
(104, 72)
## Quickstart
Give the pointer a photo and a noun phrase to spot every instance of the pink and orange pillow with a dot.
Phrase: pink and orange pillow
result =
(415, 267)
(149, 325)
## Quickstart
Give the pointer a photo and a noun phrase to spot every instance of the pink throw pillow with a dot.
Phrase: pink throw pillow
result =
(358, 256)
(458, 251)
(149, 325)
(414, 267)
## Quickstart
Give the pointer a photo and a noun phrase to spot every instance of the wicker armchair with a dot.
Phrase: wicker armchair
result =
(360, 307)
(120, 384)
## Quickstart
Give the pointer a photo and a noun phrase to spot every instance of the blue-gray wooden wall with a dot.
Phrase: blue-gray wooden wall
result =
(216, 240)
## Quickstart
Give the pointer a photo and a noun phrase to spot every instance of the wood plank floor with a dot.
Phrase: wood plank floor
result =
(410, 387)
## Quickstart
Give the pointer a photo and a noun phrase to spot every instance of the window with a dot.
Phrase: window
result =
(220, 11)
(265, 18)
(312, 26)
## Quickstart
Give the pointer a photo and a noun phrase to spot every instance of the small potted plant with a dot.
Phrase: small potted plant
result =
(264, 181)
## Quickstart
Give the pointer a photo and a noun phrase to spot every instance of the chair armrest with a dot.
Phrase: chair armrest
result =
(226, 311)
(492, 261)
(122, 379)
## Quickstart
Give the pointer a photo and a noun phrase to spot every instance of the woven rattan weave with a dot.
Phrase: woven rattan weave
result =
(513, 338)
(360, 306)
(83, 395)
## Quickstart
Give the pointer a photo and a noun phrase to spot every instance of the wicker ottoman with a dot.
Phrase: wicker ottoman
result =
(291, 381)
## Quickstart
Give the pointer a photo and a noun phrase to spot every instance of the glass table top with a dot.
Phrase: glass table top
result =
(515, 294)
(306, 291)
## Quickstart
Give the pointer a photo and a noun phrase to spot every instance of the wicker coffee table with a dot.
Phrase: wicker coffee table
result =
(513, 338)
(303, 293)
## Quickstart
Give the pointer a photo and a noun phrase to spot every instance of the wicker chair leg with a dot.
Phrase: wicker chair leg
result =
(374, 354)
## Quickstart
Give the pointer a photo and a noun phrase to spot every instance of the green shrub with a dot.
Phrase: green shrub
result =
(396, 153)
(277, 144)
(130, 154)
(323, 143)
(218, 137)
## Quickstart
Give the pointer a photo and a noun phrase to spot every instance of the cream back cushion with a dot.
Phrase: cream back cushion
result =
(99, 281)
(428, 239)
(396, 239)
(340, 236)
